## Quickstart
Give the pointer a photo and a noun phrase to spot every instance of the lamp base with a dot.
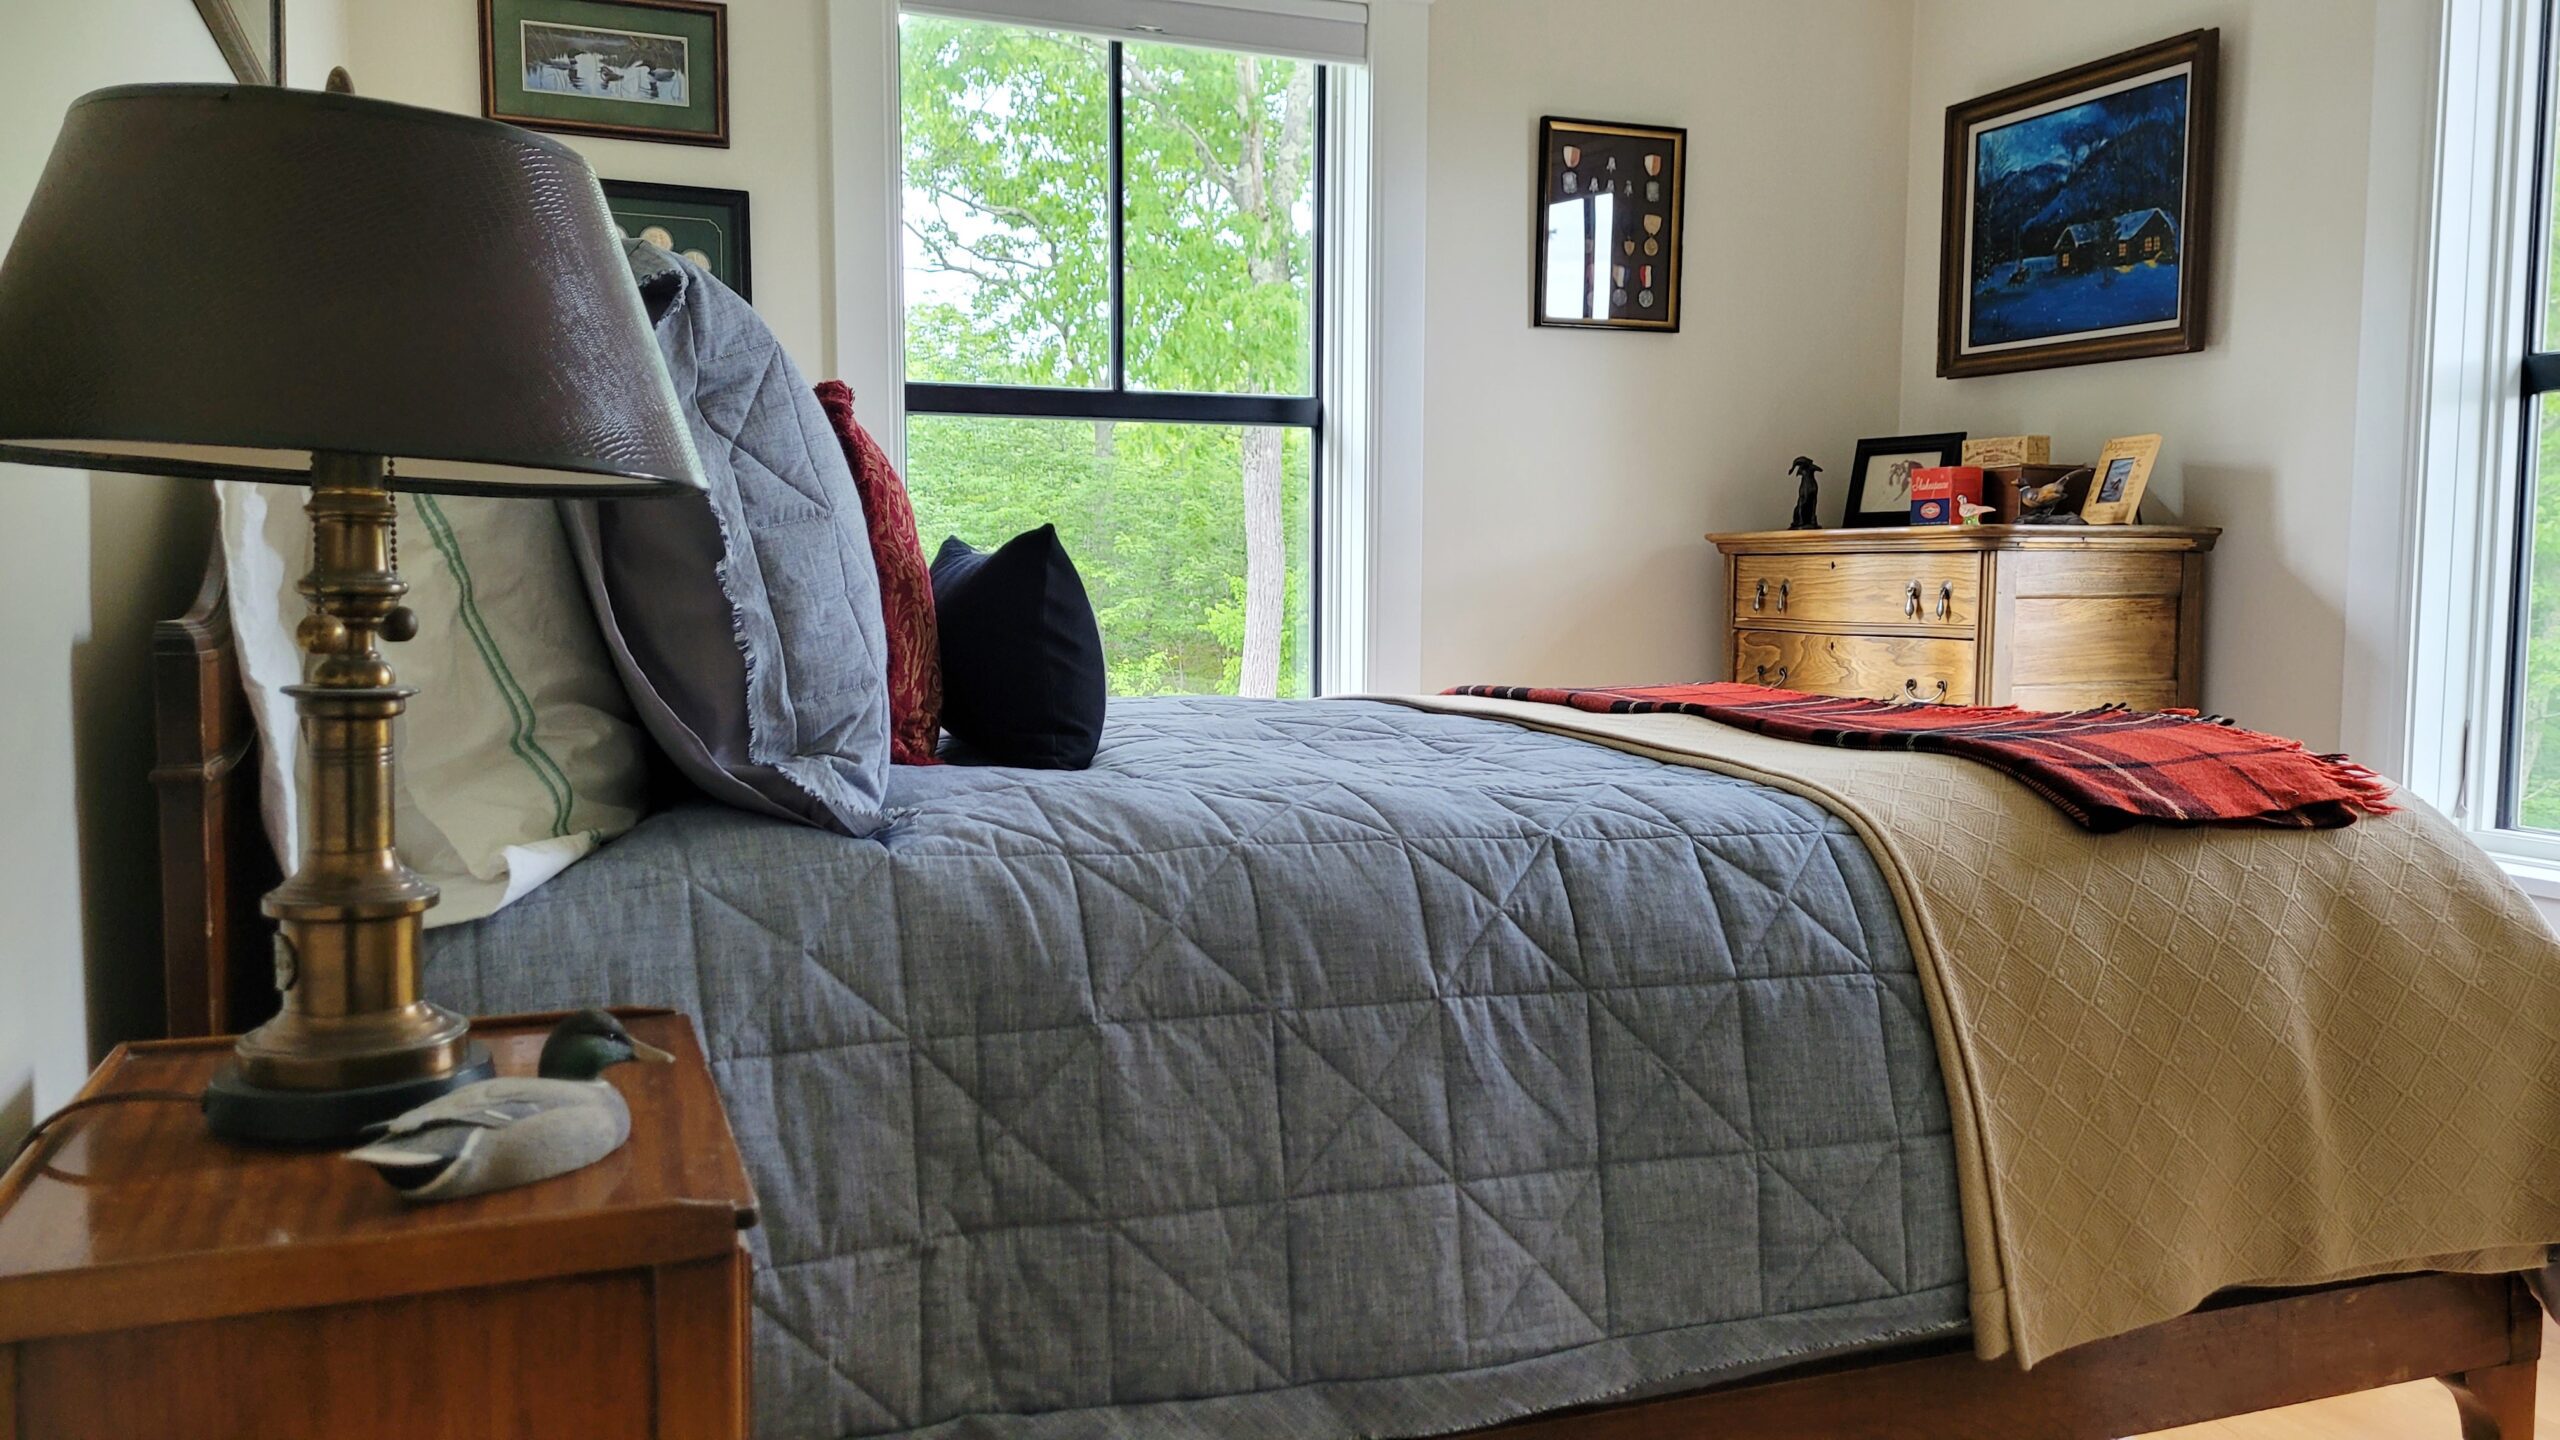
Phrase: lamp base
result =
(235, 1109)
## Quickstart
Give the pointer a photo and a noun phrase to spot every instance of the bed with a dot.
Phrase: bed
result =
(1566, 1085)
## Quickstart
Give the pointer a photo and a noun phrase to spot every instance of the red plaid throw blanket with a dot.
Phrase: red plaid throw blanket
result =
(2106, 769)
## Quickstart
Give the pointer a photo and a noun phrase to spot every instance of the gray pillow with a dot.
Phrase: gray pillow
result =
(746, 624)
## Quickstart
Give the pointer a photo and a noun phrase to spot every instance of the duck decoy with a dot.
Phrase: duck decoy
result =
(514, 1130)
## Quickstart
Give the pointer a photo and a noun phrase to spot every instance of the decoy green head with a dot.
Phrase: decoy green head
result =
(586, 1044)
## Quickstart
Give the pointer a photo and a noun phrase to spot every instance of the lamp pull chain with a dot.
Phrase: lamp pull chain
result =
(402, 622)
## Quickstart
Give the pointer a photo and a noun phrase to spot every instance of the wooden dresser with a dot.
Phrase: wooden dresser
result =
(2048, 617)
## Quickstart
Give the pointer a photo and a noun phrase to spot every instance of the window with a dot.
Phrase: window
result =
(2529, 782)
(1112, 286)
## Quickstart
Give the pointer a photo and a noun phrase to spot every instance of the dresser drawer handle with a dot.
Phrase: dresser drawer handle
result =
(1760, 595)
(1946, 598)
(1762, 671)
(1783, 587)
(1911, 692)
(1911, 599)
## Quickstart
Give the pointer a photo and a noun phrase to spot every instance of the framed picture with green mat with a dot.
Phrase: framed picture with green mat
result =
(634, 69)
(705, 226)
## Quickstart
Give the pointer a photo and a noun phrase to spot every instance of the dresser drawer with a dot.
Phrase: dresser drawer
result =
(1873, 667)
(1915, 588)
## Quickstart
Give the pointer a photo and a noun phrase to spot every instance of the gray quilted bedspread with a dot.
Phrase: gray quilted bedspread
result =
(1309, 1069)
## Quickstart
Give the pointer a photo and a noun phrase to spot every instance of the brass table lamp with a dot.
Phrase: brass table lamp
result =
(243, 282)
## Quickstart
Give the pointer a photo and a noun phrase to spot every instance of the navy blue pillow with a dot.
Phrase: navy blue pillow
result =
(1022, 680)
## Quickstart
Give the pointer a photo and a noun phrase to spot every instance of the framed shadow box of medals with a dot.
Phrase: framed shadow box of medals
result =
(1606, 220)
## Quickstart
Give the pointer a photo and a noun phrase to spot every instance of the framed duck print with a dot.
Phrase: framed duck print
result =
(633, 69)
(1606, 225)
(2078, 214)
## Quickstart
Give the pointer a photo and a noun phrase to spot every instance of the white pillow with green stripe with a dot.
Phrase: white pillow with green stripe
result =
(519, 754)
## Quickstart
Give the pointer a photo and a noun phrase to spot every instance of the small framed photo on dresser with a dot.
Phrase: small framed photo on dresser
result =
(1606, 212)
(1880, 478)
(2115, 489)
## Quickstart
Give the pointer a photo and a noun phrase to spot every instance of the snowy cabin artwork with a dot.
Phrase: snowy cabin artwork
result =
(2076, 210)
(2137, 237)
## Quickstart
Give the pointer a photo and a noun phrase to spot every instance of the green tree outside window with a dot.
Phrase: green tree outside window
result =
(1193, 539)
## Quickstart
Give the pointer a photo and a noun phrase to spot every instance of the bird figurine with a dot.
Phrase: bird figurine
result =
(514, 1130)
(1808, 493)
(2040, 502)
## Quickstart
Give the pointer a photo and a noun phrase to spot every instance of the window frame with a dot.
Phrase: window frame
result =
(2538, 374)
(2442, 477)
(1119, 402)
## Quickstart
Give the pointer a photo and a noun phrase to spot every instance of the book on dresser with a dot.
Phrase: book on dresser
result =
(2058, 617)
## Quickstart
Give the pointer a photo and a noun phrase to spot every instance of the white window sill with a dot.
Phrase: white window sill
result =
(2537, 879)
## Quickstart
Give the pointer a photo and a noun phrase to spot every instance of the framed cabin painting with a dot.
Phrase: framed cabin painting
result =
(632, 69)
(1605, 222)
(2078, 214)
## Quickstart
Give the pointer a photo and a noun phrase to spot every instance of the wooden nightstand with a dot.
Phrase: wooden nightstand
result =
(157, 1282)
(2059, 617)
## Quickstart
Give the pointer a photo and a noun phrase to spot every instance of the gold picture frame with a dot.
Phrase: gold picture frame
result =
(2116, 482)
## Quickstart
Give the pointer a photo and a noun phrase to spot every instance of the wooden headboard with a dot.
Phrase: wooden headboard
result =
(215, 860)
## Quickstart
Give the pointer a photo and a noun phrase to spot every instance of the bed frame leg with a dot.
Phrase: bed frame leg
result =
(2496, 1404)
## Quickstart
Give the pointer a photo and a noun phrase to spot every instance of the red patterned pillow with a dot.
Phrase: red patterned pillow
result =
(906, 586)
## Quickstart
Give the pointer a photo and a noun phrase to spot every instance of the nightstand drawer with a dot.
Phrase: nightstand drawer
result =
(1853, 590)
(1874, 667)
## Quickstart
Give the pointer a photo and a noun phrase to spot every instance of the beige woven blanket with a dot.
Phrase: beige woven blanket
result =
(2186, 1059)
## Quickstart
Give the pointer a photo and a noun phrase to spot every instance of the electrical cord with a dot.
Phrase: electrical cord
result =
(28, 1141)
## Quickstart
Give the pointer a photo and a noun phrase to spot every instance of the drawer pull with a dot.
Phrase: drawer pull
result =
(1911, 692)
(1783, 587)
(1946, 598)
(1911, 600)
(1762, 671)
(1760, 595)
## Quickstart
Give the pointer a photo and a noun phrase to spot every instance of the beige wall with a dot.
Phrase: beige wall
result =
(427, 52)
(1570, 474)
(86, 564)
(2261, 425)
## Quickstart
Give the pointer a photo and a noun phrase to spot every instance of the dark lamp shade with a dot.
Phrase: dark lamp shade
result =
(222, 281)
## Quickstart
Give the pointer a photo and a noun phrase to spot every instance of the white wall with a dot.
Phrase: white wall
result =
(1569, 474)
(427, 52)
(315, 39)
(2261, 425)
(86, 564)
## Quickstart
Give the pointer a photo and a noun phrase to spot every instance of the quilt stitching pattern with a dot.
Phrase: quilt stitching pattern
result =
(1308, 1050)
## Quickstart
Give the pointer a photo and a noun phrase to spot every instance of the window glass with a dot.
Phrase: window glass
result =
(2537, 734)
(1007, 203)
(1221, 227)
(1200, 582)
(2532, 772)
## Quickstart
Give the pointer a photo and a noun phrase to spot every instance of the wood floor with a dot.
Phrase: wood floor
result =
(2423, 1411)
